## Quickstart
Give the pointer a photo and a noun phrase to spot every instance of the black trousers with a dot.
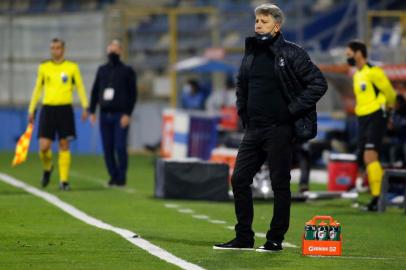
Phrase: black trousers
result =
(274, 145)
(114, 139)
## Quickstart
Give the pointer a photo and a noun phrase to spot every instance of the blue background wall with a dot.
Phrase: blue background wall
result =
(14, 122)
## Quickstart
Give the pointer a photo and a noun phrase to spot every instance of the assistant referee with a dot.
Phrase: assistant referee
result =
(374, 94)
(55, 82)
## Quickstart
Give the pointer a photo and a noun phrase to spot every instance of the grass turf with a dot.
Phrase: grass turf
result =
(36, 235)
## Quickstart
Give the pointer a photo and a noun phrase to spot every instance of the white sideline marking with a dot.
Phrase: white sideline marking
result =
(126, 234)
(215, 221)
(186, 211)
(200, 216)
(289, 245)
(284, 244)
(98, 180)
(260, 234)
(171, 205)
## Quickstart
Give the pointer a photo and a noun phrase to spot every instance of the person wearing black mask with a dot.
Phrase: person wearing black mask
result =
(277, 84)
(115, 91)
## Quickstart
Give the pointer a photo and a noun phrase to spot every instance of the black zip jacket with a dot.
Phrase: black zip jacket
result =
(301, 80)
(122, 79)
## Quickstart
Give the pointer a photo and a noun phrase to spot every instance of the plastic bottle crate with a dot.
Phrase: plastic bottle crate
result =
(322, 247)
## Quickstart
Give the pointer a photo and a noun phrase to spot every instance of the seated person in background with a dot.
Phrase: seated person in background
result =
(222, 102)
(222, 98)
(397, 128)
(192, 96)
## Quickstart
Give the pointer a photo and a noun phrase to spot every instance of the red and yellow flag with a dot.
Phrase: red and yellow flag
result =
(22, 146)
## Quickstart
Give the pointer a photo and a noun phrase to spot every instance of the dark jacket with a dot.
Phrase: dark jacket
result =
(122, 79)
(300, 78)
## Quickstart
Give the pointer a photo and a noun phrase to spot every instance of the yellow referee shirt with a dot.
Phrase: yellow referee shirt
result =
(368, 98)
(57, 82)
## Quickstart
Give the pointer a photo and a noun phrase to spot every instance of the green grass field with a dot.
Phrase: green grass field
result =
(36, 235)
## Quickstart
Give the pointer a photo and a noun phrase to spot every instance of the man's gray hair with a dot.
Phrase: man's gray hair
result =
(272, 10)
(117, 42)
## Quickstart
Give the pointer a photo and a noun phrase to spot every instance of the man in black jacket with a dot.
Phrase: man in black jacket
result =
(277, 84)
(115, 91)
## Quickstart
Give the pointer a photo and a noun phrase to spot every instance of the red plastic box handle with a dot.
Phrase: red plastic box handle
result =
(330, 218)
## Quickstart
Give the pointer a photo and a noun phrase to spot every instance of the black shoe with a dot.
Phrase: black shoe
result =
(64, 186)
(111, 183)
(270, 246)
(373, 205)
(121, 185)
(46, 177)
(235, 245)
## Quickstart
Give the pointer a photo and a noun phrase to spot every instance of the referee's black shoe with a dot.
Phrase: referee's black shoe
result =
(234, 244)
(46, 177)
(270, 246)
(373, 204)
(64, 186)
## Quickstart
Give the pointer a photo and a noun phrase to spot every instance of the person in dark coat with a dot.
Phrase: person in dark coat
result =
(115, 92)
(276, 85)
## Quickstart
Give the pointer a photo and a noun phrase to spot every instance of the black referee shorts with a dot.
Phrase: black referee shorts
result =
(371, 129)
(57, 121)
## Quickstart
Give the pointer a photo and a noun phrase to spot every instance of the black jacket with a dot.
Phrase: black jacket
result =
(122, 79)
(301, 80)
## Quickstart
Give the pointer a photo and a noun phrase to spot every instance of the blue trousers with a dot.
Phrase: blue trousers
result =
(114, 139)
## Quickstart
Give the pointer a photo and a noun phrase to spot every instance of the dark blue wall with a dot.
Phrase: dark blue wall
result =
(14, 122)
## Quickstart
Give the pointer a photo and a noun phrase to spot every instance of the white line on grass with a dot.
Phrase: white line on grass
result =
(215, 221)
(171, 205)
(98, 180)
(200, 217)
(186, 211)
(126, 234)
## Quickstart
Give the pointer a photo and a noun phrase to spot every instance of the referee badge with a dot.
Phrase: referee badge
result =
(64, 77)
(363, 86)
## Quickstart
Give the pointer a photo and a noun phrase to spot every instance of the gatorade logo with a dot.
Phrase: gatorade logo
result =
(327, 249)
(312, 248)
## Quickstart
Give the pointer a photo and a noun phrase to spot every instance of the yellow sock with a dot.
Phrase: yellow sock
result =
(375, 174)
(46, 158)
(64, 165)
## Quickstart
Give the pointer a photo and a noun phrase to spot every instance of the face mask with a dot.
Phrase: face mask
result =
(265, 37)
(113, 57)
(351, 61)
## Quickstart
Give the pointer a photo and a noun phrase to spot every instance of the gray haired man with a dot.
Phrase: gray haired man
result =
(276, 85)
